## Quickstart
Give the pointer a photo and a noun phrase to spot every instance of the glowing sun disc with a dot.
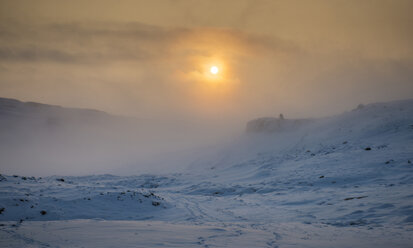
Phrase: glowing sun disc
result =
(214, 70)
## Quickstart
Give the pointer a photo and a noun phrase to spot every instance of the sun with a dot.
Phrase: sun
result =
(214, 70)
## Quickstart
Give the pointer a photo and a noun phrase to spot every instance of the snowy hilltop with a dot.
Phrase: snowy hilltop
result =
(340, 181)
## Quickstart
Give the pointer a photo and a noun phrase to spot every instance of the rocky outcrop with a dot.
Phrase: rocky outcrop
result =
(273, 124)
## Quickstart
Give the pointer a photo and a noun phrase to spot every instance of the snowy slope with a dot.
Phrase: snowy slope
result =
(341, 181)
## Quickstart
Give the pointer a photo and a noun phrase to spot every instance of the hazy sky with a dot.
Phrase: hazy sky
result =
(151, 58)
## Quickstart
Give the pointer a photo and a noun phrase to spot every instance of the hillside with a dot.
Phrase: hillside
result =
(340, 181)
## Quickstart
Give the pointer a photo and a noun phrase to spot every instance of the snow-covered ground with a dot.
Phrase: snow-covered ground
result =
(342, 181)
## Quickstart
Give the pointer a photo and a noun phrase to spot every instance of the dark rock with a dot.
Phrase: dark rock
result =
(357, 223)
(274, 125)
(352, 198)
(2, 210)
(2, 178)
(359, 107)
(367, 148)
(60, 179)
(148, 195)
(43, 212)
(154, 203)
(321, 177)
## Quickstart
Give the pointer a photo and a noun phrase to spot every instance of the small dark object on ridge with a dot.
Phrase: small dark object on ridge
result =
(345, 142)
(367, 148)
(1, 210)
(409, 162)
(154, 203)
(60, 180)
(321, 177)
(43, 212)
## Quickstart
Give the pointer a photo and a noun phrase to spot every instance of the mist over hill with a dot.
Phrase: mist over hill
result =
(41, 139)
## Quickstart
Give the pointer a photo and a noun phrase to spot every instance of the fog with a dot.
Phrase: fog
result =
(39, 140)
(147, 64)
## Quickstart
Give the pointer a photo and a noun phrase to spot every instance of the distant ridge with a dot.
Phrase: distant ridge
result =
(10, 104)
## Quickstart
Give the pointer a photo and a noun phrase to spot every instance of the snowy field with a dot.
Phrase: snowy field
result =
(102, 233)
(342, 181)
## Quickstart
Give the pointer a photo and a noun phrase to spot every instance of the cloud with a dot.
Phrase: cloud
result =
(162, 72)
(107, 42)
(35, 54)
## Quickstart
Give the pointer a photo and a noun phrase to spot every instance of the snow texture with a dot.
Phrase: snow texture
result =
(341, 181)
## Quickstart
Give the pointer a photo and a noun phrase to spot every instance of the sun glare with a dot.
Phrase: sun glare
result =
(214, 70)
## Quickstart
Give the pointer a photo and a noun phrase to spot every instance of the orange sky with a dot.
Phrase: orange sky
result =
(151, 58)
